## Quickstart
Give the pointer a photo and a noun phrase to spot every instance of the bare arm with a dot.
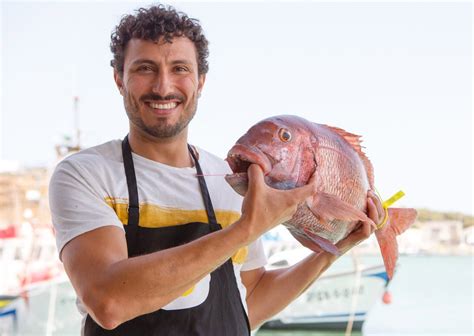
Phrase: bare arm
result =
(116, 289)
(268, 292)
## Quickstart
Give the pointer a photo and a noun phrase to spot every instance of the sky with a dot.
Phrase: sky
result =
(397, 73)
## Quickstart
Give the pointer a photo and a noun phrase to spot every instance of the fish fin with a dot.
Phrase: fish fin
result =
(323, 243)
(399, 219)
(305, 241)
(327, 207)
(355, 142)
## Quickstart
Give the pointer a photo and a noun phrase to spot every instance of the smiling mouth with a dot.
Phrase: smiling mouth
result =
(162, 106)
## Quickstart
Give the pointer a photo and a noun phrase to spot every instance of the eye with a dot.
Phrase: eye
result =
(144, 68)
(181, 68)
(284, 135)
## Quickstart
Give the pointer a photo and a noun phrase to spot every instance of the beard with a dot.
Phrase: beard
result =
(163, 129)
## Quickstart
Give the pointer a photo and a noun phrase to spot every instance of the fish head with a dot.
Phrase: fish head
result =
(281, 146)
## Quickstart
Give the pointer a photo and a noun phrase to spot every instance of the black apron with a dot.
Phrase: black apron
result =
(221, 314)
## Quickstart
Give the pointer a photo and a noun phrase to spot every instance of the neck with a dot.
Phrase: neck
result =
(171, 151)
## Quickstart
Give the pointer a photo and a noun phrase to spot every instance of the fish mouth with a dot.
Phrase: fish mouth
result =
(239, 158)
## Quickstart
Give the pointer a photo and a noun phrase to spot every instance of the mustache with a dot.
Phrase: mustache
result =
(153, 96)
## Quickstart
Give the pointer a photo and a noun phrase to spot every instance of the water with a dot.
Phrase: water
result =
(431, 295)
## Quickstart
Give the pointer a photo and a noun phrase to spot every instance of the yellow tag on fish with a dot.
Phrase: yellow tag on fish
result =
(395, 197)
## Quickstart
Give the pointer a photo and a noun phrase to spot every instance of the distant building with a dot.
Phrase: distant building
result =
(442, 236)
(444, 232)
(411, 241)
(24, 198)
(468, 235)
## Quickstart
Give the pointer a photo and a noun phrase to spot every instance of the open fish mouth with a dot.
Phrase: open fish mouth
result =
(240, 158)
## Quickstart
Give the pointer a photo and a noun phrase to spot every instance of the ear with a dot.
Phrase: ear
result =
(201, 81)
(118, 81)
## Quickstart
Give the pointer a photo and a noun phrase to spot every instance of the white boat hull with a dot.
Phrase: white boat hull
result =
(333, 300)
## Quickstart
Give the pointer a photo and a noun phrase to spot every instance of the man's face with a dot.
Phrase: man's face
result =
(160, 86)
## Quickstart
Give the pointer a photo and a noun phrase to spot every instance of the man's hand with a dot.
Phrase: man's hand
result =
(268, 292)
(376, 214)
(264, 207)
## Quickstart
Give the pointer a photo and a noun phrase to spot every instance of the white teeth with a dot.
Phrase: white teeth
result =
(164, 106)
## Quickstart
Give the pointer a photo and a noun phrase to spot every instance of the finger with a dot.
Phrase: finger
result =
(302, 193)
(255, 175)
(372, 211)
(313, 178)
(361, 233)
(367, 229)
(378, 204)
(255, 179)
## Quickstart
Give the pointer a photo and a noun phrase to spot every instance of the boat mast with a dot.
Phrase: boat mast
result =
(76, 122)
(355, 291)
(71, 144)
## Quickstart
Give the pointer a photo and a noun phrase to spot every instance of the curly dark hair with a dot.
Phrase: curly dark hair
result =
(154, 23)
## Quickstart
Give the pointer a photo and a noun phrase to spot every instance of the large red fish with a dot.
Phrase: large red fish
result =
(290, 149)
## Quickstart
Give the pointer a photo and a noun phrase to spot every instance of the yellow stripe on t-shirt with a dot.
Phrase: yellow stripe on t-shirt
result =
(155, 216)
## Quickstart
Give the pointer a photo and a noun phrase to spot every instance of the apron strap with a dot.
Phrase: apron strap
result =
(133, 202)
(133, 205)
(211, 215)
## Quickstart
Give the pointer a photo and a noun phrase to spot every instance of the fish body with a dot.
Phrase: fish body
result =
(290, 150)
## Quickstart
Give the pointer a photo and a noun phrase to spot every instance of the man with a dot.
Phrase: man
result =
(190, 261)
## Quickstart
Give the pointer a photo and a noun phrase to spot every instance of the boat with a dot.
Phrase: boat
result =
(35, 294)
(339, 300)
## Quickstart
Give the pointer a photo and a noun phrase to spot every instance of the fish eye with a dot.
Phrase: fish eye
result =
(284, 135)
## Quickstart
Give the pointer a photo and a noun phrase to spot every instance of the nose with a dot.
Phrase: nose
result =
(163, 84)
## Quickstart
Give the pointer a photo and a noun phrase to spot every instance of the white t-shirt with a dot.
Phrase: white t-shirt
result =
(88, 190)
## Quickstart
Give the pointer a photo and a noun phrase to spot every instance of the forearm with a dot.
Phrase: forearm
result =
(131, 287)
(277, 288)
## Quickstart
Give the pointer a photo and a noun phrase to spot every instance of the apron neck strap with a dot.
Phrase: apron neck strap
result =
(133, 202)
(211, 215)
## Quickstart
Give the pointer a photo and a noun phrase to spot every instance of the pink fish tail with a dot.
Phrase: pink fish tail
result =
(399, 220)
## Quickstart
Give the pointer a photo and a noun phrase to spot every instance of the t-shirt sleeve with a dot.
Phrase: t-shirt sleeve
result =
(256, 257)
(77, 203)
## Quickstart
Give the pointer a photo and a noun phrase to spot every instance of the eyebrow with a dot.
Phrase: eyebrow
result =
(141, 61)
(144, 60)
(182, 62)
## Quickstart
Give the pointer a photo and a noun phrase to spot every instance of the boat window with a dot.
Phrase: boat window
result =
(36, 252)
(18, 253)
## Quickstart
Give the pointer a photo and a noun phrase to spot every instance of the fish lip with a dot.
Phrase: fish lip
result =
(244, 154)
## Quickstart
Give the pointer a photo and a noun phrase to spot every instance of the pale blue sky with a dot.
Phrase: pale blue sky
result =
(400, 74)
